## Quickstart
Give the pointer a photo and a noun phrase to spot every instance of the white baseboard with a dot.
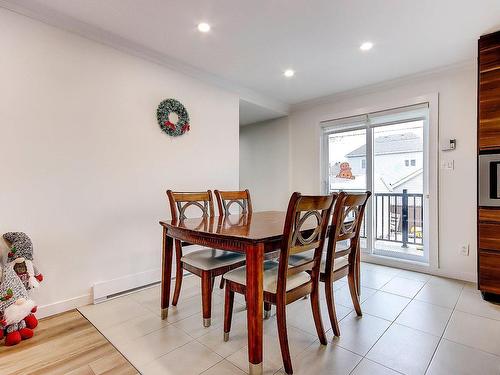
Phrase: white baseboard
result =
(103, 290)
(62, 306)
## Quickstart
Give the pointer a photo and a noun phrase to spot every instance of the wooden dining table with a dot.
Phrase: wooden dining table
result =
(253, 235)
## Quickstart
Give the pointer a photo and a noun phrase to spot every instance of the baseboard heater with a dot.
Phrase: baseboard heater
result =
(110, 289)
(105, 290)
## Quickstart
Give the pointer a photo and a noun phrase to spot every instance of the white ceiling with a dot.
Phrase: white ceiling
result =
(252, 42)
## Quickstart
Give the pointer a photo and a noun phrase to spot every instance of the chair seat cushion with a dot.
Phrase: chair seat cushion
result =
(209, 259)
(270, 279)
(297, 259)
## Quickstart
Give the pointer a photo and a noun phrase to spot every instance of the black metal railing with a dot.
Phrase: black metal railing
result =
(399, 218)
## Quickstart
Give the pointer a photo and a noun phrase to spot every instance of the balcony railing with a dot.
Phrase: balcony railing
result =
(399, 218)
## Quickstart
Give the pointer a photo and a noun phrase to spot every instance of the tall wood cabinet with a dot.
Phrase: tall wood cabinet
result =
(489, 142)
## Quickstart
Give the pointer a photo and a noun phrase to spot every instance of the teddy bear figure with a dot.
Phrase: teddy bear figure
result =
(16, 309)
(21, 256)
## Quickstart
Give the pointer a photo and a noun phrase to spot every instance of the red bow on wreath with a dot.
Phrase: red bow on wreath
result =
(169, 124)
(185, 127)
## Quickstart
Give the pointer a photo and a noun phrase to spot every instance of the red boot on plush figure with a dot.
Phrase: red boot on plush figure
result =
(26, 333)
(12, 338)
(31, 321)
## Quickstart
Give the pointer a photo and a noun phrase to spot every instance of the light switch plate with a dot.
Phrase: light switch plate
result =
(448, 164)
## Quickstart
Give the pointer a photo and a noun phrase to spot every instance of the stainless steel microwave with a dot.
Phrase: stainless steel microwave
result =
(489, 180)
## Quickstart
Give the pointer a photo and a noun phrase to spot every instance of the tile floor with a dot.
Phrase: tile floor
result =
(412, 324)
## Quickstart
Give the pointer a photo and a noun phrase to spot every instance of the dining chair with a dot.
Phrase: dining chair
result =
(205, 263)
(225, 199)
(342, 251)
(283, 283)
(340, 256)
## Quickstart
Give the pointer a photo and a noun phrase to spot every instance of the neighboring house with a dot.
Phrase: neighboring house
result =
(398, 164)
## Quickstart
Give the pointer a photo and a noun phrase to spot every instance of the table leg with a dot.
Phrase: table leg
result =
(166, 274)
(255, 269)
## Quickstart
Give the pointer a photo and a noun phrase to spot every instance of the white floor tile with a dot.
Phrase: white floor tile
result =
(475, 331)
(147, 294)
(298, 341)
(329, 359)
(425, 317)
(132, 329)
(190, 359)
(445, 295)
(339, 284)
(403, 287)
(113, 312)
(444, 281)
(374, 279)
(385, 305)
(359, 334)
(377, 267)
(412, 275)
(180, 344)
(147, 348)
(299, 315)
(456, 359)
(367, 367)
(189, 307)
(342, 296)
(471, 287)
(240, 360)
(473, 303)
(193, 325)
(224, 367)
(237, 339)
(404, 349)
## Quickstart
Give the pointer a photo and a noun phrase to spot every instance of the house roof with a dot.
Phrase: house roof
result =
(391, 144)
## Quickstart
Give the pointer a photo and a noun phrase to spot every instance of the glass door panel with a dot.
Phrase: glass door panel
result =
(398, 190)
(347, 166)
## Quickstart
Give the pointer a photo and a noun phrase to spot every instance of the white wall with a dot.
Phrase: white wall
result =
(85, 165)
(264, 163)
(457, 119)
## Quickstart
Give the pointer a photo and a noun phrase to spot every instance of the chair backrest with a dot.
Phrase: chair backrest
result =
(180, 201)
(346, 225)
(227, 198)
(314, 212)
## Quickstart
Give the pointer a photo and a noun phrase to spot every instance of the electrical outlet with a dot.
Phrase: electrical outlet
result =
(464, 250)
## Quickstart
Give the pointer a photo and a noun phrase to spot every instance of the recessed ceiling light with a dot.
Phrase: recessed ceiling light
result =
(366, 46)
(203, 27)
(289, 73)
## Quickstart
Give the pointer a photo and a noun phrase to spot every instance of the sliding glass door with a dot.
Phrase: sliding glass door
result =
(384, 152)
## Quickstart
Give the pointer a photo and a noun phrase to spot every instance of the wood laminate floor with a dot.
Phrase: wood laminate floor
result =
(64, 344)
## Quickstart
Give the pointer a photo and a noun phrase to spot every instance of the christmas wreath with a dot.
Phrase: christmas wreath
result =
(165, 108)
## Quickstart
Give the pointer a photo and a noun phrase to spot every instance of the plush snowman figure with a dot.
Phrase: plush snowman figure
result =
(15, 308)
(21, 256)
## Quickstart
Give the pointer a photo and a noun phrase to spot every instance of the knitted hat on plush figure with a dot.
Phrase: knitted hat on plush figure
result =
(21, 255)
